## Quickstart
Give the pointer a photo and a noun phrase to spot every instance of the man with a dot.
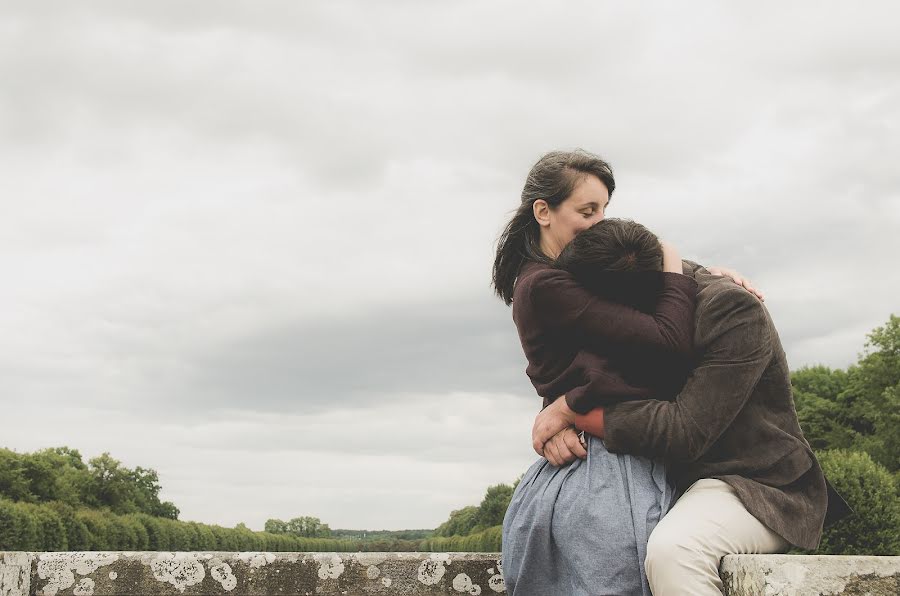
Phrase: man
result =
(731, 440)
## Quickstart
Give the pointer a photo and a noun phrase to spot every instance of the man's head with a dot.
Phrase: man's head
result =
(612, 245)
(617, 258)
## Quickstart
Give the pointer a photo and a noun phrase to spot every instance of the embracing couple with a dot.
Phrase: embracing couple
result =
(668, 436)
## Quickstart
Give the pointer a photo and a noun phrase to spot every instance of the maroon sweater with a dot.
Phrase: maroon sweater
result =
(573, 339)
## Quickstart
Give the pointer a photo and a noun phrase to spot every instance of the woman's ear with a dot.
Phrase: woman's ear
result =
(541, 212)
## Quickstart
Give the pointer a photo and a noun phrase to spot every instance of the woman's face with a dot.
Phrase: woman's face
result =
(584, 207)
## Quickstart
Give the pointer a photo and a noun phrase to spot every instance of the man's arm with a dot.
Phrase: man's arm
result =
(738, 348)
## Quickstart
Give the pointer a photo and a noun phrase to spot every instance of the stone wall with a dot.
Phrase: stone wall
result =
(235, 574)
(358, 574)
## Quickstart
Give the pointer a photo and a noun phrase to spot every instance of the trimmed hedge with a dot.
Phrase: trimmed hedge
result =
(486, 541)
(59, 527)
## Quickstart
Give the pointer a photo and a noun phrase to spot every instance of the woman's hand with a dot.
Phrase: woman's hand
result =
(549, 421)
(738, 279)
(564, 447)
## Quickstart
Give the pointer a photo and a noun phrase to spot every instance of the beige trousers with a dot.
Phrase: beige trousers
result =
(705, 524)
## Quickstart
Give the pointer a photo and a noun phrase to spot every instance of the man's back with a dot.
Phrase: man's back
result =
(762, 453)
(735, 418)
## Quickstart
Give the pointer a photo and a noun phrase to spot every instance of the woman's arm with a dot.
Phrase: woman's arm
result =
(559, 303)
(671, 258)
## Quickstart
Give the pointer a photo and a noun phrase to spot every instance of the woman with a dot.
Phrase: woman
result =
(582, 529)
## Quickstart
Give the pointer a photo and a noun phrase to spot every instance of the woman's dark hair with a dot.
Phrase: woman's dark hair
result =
(617, 258)
(553, 178)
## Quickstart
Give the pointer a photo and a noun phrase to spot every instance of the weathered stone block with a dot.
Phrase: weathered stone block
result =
(15, 574)
(810, 575)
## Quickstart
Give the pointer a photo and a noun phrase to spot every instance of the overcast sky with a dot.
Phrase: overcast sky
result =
(249, 245)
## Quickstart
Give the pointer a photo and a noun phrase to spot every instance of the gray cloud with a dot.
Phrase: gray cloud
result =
(216, 218)
(308, 366)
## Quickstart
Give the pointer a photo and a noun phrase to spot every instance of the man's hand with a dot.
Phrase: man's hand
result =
(550, 421)
(738, 279)
(564, 447)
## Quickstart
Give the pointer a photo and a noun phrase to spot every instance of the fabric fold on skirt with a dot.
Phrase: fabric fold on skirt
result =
(582, 529)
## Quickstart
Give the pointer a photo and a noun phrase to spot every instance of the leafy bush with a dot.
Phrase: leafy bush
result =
(874, 528)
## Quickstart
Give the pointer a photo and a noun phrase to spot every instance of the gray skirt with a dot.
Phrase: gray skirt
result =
(581, 530)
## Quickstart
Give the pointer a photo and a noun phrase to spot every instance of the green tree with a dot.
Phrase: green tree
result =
(873, 395)
(146, 487)
(127, 491)
(310, 527)
(493, 506)
(857, 409)
(14, 483)
(460, 523)
(275, 526)
(817, 392)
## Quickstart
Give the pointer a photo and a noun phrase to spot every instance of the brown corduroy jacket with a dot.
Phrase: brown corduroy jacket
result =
(734, 419)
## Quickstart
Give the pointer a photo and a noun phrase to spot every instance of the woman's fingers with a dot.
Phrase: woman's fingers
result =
(551, 452)
(748, 285)
(563, 455)
(753, 290)
(738, 279)
(561, 447)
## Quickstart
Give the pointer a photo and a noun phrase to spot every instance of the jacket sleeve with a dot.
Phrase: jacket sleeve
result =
(690, 267)
(603, 386)
(737, 349)
(565, 306)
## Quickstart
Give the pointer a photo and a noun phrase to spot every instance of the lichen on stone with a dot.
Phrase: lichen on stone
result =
(256, 560)
(463, 583)
(221, 572)
(179, 569)
(331, 566)
(60, 568)
(431, 570)
(496, 582)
